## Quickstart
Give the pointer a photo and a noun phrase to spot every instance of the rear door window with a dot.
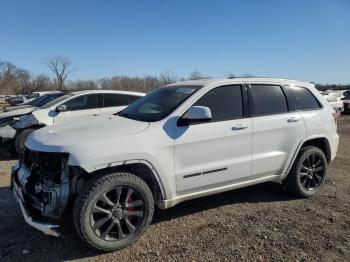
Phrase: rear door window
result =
(268, 100)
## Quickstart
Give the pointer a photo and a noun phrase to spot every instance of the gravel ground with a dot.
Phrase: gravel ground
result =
(259, 223)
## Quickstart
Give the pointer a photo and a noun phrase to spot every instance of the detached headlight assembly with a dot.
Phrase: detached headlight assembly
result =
(25, 121)
(6, 121)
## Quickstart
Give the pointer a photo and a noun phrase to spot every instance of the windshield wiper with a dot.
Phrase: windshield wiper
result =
(126, 115)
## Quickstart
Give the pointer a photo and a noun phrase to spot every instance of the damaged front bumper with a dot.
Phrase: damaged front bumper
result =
(19, 176)
(7, 133)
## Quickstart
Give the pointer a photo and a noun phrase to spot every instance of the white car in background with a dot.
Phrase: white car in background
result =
(335, 102)
(73, 107)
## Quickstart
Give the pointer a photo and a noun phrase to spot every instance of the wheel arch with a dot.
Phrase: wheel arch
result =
(321, 142)
(140, 168)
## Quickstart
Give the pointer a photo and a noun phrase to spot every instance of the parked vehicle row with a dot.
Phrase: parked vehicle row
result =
(338, 99)
(16, 125)
(182, 141)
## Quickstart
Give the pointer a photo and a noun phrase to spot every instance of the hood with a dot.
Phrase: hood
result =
(13, 108)
(88, 130)
(18, 112)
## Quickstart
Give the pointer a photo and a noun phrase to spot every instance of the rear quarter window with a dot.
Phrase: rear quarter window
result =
(302, 98)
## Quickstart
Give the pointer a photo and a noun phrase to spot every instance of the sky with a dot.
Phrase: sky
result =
(297, 39)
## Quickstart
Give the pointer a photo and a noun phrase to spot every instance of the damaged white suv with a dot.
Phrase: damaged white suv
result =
(179, 142)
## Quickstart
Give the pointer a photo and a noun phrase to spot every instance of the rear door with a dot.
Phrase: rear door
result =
(277, 129)
(218, 152)
(80, 106)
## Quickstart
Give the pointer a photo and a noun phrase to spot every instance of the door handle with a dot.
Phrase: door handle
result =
(293, 119)
(239, 127)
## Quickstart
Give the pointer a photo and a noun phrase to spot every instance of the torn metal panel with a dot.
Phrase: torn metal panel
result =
(7, 133)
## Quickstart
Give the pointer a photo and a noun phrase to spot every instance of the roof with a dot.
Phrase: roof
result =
(102, 91)
(211, 81)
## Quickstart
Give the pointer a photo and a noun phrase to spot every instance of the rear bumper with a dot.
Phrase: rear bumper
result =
(47, 229)
(334, 146)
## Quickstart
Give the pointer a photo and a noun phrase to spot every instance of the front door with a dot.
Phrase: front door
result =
(78, 107)
(218, 152)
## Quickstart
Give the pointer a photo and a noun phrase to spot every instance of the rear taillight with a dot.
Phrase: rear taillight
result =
(336, 117)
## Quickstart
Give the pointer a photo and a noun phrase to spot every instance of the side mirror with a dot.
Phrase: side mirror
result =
(197, 114)
(61, 108)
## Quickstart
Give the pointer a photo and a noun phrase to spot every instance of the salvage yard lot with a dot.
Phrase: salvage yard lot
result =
(257, 223)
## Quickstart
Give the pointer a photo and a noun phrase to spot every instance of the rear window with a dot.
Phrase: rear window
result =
(302, 98)
(268, 100)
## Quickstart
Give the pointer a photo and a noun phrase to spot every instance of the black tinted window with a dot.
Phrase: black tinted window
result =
(111, 100)
(132, 99)
(84, 102)
(302, 98)
(268, 99)
(224, 102)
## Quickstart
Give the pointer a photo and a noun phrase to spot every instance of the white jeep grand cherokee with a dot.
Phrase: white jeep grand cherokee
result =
(179, 142)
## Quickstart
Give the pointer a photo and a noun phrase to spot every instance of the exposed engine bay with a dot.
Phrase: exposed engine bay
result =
(46, 183)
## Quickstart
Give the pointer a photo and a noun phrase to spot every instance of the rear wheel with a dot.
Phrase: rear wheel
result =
(308, 173)
(113, 211)
(21, 139)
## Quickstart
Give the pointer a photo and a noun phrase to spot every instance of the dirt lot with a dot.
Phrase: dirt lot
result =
(260, 223)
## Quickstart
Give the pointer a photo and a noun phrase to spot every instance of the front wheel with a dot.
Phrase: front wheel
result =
(113, 211)
(308, 173)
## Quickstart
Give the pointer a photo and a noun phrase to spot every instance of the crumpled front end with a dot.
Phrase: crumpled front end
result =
(42, 185)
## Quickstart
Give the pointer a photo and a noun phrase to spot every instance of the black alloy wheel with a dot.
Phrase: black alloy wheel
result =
(312, 172)
(117, 213)
(308, 173)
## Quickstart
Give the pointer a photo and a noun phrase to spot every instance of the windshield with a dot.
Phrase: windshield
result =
(55, 101)
(42, 100)
(159, 103)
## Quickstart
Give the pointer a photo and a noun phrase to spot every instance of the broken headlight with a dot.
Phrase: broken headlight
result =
(25, 121)
(6, 121)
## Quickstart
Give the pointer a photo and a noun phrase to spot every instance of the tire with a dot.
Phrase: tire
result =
(21, 139)
(305, 183)
(122, 217)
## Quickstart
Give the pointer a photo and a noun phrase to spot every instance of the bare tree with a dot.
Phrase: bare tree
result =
(167, 78)
(196, 75)
(23, 77)
(62, 68)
